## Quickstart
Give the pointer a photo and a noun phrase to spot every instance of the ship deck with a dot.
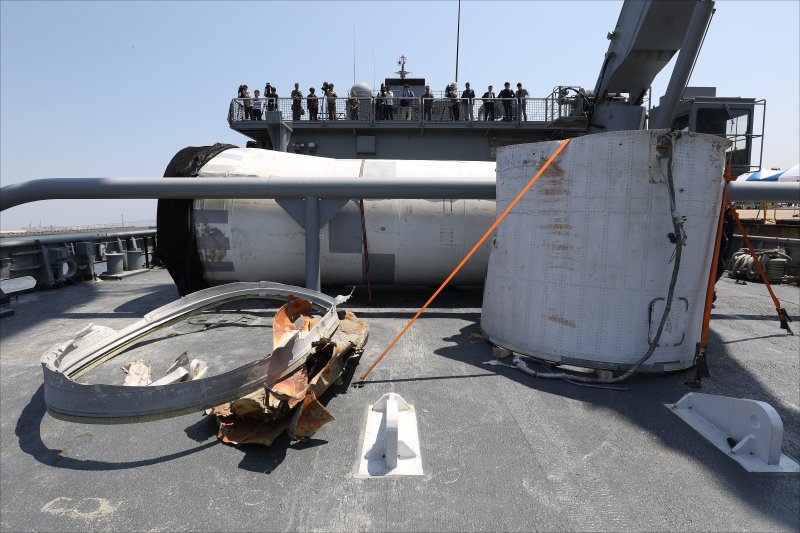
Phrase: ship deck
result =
(501, 450)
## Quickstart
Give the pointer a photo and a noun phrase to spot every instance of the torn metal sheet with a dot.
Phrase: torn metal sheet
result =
(102, 403)
(292, 404)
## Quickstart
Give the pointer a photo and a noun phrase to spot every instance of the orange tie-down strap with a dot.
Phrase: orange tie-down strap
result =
(466, 258)
(783, 316)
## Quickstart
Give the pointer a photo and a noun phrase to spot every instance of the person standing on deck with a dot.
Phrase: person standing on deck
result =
(331, 101)
(488, 104)
(379, 103)
(352, 105)
(273, 99)
(427, 103)
(258, 105)
(468, 99)
(452, 95)
(407, 101)
(507, 95)
(522, 100)
(297, 102)
(248, 103)
(312, 103)
(388, 102)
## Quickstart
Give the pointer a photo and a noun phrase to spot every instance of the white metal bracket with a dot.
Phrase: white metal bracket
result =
(748, 431)
(391, 440)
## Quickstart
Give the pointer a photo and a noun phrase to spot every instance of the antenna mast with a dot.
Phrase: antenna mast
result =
(458, 37)
(354, 55)
(402, 72)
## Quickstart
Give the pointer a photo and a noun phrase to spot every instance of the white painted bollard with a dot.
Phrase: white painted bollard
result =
(748, 431)
(391, 442)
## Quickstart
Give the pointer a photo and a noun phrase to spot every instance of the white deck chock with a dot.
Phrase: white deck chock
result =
(748, 431)
(391, 440)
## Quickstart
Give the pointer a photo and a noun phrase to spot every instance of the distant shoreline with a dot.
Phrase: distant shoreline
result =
(67, 231)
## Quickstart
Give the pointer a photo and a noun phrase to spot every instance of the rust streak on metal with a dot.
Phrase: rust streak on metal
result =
(561, 320)
(554, 191)
(553, 170)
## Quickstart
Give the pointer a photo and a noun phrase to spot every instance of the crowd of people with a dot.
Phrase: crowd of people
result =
(458, 106)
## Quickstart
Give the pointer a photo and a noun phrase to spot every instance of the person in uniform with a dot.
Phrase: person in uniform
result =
(331, 101)
(427, 103)
(352, 105)
(297, 102)
(507, 95)
(488, 104)
(312, 103)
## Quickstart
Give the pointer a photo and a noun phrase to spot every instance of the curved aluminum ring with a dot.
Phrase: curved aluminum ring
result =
(107, 404)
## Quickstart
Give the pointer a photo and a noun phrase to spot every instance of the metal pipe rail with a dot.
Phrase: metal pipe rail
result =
(320, 187)
(250, 188)
(309, 189)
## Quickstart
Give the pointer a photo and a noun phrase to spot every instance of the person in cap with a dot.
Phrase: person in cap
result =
(330, 100)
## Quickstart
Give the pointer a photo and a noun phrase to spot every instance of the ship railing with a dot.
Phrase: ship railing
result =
(373, 109)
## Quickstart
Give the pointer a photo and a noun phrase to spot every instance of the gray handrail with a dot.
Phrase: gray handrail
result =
(252, 188)
(308, 188)
(320, 187)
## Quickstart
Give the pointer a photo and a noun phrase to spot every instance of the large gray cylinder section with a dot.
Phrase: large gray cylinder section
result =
(580, 269)
(409, 241)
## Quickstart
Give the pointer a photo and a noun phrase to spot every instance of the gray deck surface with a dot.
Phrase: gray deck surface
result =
(502, 451)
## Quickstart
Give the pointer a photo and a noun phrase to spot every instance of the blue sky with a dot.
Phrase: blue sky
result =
(116, 88)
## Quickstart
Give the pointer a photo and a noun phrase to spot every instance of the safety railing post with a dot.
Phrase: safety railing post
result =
(312, 243)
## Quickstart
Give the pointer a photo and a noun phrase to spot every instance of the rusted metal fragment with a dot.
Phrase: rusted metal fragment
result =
(291, 390)
(251, 406)
(284, 328)
(138, 373)
(331, 372)
(292, 404)
(352, 330)
(308, 418)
